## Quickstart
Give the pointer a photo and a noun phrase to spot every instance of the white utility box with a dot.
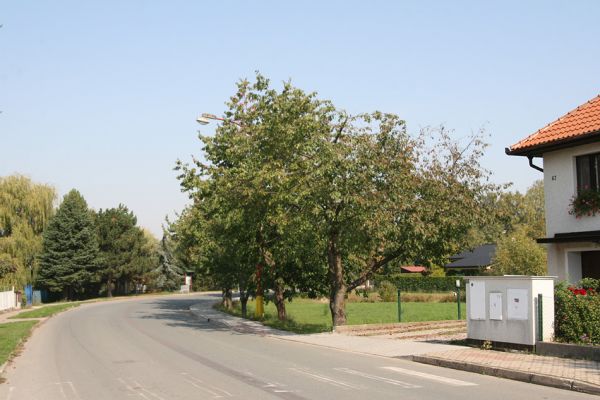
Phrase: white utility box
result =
(505, 308)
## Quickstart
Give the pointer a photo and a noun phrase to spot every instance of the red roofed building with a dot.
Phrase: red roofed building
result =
(413, 269)
(570, 149)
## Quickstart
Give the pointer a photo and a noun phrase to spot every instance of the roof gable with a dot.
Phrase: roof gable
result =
(580, 123)
(481, 256)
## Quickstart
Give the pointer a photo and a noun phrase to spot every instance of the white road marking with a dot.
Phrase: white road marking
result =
(326, 379)
(62, 391)
(442, 379)
(73, 389)
(198, 383)
(147, 391)
(133, 390)
(10, 390)
(395, 382)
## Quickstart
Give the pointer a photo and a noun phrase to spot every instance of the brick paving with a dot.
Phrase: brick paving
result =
(579, 370)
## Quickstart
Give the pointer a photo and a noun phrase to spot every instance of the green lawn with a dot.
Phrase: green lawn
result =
(45, 311)
(308, 316)
(11, 334)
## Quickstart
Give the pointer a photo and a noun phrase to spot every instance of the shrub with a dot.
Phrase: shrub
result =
(387, 291)
(577, 312)
(412, 283)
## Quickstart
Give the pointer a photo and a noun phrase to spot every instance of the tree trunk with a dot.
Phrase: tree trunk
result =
(109, 288)
(280, 299)
(244, 304)
(337, 286)
(227, 299)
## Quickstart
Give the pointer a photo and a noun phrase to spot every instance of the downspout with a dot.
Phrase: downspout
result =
(532, 165)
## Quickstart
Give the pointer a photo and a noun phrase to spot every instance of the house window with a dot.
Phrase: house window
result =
(588, 172)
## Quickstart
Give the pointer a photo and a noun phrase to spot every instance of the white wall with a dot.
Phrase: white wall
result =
(8, 300)
(560, 185)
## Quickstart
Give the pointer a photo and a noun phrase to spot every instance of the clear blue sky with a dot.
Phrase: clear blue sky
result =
(102, 96)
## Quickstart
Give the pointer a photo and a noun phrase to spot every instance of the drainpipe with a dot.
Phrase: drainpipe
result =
(532, 165)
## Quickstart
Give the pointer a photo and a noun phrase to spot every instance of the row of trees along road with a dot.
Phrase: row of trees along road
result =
(73, 251)
(314, 199)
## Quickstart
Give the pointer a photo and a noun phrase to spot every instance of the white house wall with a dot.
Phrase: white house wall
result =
(560, 185)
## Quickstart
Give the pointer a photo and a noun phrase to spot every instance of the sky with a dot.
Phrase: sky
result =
(102, 96)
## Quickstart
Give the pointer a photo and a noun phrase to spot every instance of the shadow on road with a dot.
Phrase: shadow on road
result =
(176, 312)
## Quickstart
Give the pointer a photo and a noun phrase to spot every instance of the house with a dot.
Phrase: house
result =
(570, 149)
(413, 269)
(471, 262)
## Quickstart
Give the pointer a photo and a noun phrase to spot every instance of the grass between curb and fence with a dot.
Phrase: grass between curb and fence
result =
(313, 316)
(46, 311)
(12, 334)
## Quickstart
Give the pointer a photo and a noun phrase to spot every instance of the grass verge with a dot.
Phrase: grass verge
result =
(312, 316)
(12, 334)
(45, 311)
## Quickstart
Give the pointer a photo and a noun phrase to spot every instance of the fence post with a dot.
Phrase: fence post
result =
(540, 315)
(458, 301)
(399, 308)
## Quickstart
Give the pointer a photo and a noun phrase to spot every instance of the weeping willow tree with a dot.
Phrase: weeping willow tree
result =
(25, 209)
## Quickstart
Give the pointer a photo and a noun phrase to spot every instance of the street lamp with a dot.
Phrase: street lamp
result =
(204, 119)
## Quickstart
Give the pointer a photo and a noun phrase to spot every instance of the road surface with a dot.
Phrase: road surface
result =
(155, 349)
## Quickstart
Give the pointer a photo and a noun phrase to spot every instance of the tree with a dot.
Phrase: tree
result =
(125, 250)
(322, 194)
(168, 274)
(381, 195)
(25, 209)
(69, 259)
(518, 254)
(506, 212)
(250, 181)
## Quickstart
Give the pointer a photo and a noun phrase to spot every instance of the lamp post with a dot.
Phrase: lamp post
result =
(204, 119)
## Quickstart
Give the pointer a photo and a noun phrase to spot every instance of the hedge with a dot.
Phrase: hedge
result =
(419, 283)
(577, 312)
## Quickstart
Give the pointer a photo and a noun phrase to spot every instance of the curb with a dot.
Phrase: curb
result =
(528, 377)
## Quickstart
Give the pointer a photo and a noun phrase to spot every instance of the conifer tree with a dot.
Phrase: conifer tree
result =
(69, 259)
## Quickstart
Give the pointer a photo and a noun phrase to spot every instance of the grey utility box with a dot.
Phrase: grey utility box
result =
(505, 308)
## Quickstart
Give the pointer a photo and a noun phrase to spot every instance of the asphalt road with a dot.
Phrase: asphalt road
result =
(155, 349)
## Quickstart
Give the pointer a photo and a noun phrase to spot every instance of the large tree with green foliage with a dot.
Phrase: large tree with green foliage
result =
(519, 254)
(507, 211)
(325, 194)
(69, 260)
(125, 253)
(249, 185)
(168, 275)
(381, 196)
(25, 209)
(522, 216)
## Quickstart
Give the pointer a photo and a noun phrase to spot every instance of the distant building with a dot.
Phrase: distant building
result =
(471, 262)
(570, 149)
(413, 269)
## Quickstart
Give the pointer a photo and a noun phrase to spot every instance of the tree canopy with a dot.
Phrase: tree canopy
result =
(25, 209)
(69, 260)
(324, 199)
(125, 251)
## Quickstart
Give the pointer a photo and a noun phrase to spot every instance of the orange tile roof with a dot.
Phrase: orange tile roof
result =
(580, 122)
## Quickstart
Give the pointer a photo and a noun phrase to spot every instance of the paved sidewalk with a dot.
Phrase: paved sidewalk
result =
(5, 315)
(578, 375)
(359, 344)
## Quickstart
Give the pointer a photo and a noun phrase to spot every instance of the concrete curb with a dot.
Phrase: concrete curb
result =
(529, 377)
